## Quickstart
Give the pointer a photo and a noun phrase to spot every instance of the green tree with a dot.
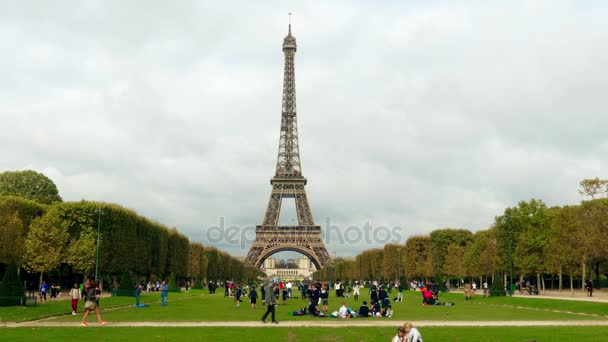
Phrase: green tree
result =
(417, 254)
(30, 185)
(441, 239)
(81, 251)
(593, 187)
(11, 289)
(45, 244)
(455, 261)
(12, 238)
(563, 254)
(16, 215)
(531, 247)
(173, 283)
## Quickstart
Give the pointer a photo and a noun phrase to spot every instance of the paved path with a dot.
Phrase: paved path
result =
(328, 323)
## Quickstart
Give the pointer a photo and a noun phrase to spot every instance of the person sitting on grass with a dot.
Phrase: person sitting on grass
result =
(400, 337)
(364, 310)
(313, 309)
(343, 312)
(427, 298)
(412, 334)
(376, 310)
(387, 310)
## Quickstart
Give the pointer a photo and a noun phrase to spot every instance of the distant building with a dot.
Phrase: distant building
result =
(305, 269)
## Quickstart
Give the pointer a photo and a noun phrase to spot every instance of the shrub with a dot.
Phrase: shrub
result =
(173, 283)
(498, 288)
(11, 290)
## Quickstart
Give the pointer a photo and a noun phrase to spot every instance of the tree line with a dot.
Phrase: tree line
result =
(39, 233)
(527, 241)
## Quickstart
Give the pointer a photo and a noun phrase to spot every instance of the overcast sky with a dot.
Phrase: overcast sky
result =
(416, 114)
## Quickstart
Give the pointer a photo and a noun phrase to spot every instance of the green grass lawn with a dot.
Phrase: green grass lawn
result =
(549, 304)
(495, 334)
(63, 307)
(217, 308)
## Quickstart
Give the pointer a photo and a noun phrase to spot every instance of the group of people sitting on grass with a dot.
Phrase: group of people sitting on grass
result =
(318, 294)
(430, 296)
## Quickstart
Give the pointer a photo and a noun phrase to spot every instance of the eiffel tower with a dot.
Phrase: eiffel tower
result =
(288, 182)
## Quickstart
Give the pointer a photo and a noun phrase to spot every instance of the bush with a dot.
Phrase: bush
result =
(173, 283)
(11, 290)
(125, 286)
(197, 284)
(498, 288)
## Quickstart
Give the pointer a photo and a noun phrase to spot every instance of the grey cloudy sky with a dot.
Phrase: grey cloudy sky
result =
(417, 114)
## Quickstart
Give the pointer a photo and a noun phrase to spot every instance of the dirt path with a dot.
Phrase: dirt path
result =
(332, 323)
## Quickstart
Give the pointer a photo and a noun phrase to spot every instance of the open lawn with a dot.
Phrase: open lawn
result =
(199, 306)
(267, 333)
(217, 308)
(63, 307)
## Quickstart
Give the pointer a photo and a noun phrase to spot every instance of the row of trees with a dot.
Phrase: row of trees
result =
(48, 235)
(528, 240)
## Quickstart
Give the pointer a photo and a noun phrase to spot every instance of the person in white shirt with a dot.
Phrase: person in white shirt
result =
(400, 337)
(485, 289)
(474, 287)
(289, 285)
(412, 334)
(343, 312)
(356, 290)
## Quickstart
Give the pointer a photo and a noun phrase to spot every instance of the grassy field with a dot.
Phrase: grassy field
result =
(63, 307)
(495, 334)
(200, 306)
(217, 308)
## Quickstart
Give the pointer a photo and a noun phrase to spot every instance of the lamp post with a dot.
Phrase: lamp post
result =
(399, 266)
(97, 247)
(508, 222)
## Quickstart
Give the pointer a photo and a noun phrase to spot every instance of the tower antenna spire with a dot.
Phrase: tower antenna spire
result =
(290, 23)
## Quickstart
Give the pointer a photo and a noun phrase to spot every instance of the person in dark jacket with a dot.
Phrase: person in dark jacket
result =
(271, 301)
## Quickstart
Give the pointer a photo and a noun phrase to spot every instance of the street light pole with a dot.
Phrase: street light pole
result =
(399, 266)
(510, 256)
(97, 248)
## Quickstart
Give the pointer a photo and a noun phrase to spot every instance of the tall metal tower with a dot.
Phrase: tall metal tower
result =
(288, 182)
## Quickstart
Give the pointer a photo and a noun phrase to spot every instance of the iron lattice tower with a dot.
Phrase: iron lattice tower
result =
(288, 182)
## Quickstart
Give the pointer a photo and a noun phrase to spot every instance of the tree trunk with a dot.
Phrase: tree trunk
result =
(560, 278)
(583, 279)
(40, 281)
(596, 285)
(572, 283)
(542, 279)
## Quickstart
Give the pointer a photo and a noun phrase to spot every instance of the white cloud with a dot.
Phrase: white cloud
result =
(414, 114)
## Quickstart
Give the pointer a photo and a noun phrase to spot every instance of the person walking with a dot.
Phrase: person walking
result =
(164, 293)
(91, 303)
(589, 287)
(271, 301)
(238, 291)
(400, 293)
(253, 297)
(75, 295)
(44, 288)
